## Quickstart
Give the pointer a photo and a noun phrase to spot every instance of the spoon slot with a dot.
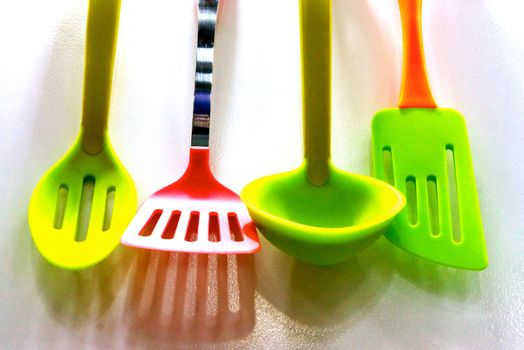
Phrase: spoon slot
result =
(108, 213)
(86, 204)
(61, 203)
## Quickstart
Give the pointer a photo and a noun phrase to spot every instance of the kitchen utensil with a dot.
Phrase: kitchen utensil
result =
(424, 152)
(318, 213)
(196, 213)
(81, 206)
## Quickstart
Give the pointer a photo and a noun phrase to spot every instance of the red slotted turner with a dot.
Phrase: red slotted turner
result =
(196, 214)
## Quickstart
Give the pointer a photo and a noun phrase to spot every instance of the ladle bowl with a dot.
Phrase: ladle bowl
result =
(326, 224)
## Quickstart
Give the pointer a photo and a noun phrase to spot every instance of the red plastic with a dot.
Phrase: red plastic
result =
(166, 220)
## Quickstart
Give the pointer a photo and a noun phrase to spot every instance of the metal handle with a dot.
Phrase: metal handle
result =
(207, 17)
(102, 29)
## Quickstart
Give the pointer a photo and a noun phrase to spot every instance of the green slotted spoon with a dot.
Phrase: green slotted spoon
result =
(81, 206)
(318, 213)
(424, 152)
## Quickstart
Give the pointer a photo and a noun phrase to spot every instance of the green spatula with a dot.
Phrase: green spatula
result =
(424, 152)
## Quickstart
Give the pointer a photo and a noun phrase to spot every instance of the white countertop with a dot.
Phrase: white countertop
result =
(383, 298)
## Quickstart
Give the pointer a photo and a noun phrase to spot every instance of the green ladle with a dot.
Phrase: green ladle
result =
(318, 213)
(81, 206)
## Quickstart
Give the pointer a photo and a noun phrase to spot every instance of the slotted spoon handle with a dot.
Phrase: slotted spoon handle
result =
(207, 17)
(315, 35)
(102, 29)
(415, 91)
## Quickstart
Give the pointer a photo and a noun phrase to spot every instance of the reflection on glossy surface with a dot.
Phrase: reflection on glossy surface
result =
(190, 298)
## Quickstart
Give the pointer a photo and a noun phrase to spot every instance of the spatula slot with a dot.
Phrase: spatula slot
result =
(214, 227)
(86, 204)
(387, 160)
(172, 224)
(108, 213)
(453, 194)
(411, 198)
(433, 205)
(234, 227)
(151, 223)
(192, 227)
(61, 203)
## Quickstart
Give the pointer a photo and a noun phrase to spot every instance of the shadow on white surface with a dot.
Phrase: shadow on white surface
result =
(322, 296)
(440, 280)
(180, 298)
(80, 297)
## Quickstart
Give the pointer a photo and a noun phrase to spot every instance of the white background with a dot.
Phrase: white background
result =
(384, 298)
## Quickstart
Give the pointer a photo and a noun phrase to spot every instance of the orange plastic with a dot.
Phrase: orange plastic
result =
(415, 91)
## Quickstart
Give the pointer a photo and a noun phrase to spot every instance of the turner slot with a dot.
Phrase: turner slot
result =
(86, 204)
(61, 204)
(234, 227)
(453, 193)
(387, 160)
(411, 198)
(172, 224)
(433, 205)
(149, 226)
(108, 213)
(214, 227)
(192, 227)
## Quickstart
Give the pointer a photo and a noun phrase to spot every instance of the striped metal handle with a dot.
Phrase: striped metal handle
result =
(207, 17)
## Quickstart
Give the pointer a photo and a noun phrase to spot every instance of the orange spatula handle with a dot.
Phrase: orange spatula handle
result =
(102, 27)
(415, 91)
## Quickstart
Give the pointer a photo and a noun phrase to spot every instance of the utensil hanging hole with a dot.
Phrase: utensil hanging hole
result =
(387, 160)
(453, 193)
(214, 227)
(86, 204)
(149, 226)
(234, 227)
(411, 198)
(172, 224)
(433, 205)
(192, 227)
(110, 202)
(61, 204)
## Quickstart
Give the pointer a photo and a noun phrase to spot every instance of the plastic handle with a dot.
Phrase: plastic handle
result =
(415, 91)
(102, 28)
(315, 30)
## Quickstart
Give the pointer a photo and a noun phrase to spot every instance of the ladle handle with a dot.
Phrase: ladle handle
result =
(102, 29)
(415, 91)
(315, 35)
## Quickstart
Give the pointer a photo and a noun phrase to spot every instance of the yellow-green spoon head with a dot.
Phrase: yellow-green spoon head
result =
(81, 206)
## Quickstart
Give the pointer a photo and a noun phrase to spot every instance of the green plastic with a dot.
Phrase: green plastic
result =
(424, 152)
(419, 141)
(90, 159)
(318, 213)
